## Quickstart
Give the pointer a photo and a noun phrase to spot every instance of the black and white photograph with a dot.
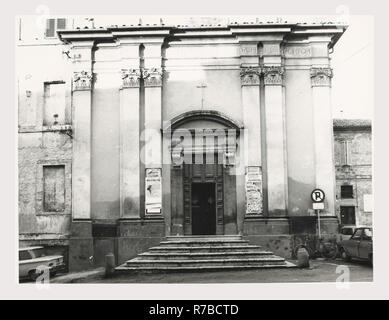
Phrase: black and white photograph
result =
(167, 149)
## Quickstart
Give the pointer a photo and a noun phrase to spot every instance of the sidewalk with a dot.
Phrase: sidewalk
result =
(82, 276)
(320, 271)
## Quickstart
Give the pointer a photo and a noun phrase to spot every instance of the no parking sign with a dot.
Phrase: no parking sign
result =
(318, 195)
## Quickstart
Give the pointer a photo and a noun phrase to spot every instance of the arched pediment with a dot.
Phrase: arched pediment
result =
(203, 115)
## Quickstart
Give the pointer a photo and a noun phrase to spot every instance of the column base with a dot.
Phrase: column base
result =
(80, 245)
(137, 235)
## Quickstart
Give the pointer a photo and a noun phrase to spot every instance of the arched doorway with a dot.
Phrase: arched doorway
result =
(203, 188)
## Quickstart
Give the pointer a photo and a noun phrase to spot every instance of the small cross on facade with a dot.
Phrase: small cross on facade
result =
(202, 86)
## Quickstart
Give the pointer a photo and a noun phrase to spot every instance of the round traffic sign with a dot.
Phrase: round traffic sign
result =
(318, 195)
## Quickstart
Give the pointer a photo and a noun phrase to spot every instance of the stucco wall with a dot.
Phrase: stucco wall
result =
(300, 141)
(38, 145)
(188, 66)
(36, 150)
(105, 147)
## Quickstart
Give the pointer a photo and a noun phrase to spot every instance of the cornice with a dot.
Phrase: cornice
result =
(257, 30)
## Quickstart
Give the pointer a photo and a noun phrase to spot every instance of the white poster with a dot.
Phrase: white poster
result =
(254, 190)
(367, 203)
(153, 192)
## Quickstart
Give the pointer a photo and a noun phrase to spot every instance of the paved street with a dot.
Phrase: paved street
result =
(320, 271)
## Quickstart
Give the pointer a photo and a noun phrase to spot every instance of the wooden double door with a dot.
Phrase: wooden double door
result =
(197, 199)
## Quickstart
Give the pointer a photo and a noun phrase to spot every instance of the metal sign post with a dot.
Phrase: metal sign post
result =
(318, 197)
(318, 221)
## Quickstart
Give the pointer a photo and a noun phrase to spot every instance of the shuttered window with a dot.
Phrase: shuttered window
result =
(50, 28)
(61, 24)
(345, 158)
(52, 25)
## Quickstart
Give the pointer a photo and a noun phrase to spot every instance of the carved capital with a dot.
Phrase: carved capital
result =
(273, 75)
(152, 77)
(250, 75)
(321, 77)
(82, 80)
(130, 78)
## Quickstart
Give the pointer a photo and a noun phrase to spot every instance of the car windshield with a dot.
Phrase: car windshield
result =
(24, 255)
(358, 233)
(31, 254)
(37, 253)
(347, 231)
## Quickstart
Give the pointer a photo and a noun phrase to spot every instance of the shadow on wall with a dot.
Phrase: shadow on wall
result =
(299, 195)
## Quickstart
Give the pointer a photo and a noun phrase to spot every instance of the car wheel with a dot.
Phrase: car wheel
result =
(344, 255)
(371, 259)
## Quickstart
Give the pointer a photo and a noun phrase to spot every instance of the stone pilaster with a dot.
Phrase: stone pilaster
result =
(275, 139)
(323, 131)
(152, 77)
(129, 144)
(153, 116)
(250, 81)
(81, 241)
(82, 83)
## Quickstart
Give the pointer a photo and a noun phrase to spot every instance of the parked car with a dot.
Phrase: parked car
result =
(359, 246)
(33, 259)
(345, 233)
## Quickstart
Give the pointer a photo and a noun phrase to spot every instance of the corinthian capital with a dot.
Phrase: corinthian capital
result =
(273, 75)
(152, 77)
(130, 78)
(249, 75)
(82, 80)
(321, 76)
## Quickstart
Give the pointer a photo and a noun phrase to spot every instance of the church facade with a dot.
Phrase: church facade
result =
(134, 133)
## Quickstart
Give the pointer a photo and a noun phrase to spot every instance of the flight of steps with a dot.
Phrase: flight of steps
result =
(201, 253)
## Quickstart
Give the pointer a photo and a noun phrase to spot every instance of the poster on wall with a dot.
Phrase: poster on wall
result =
(153, 192)
(253, 190)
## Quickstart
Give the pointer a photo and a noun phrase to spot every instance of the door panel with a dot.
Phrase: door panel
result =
(347, 215)
(365, 246)
(353, 243)
(203, 209)
(203, 174)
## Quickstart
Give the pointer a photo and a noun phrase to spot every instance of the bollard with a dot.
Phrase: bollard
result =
(302, 258)
(109, 264)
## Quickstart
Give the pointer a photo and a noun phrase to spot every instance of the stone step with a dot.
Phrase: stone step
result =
(197, 253)
(204, 238)
(196, 263)
(205, 248)
(202, 242)
(123, 269)
(203, 255)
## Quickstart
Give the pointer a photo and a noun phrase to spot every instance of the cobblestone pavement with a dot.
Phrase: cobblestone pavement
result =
(320, 271)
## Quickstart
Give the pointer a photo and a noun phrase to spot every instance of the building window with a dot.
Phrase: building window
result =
(347, 215)
(53, 25)
(54, 103)
(345, 153)
(54, 188)
(346, 192)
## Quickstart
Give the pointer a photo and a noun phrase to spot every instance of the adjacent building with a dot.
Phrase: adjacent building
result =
(129, 133)
(353, 163)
